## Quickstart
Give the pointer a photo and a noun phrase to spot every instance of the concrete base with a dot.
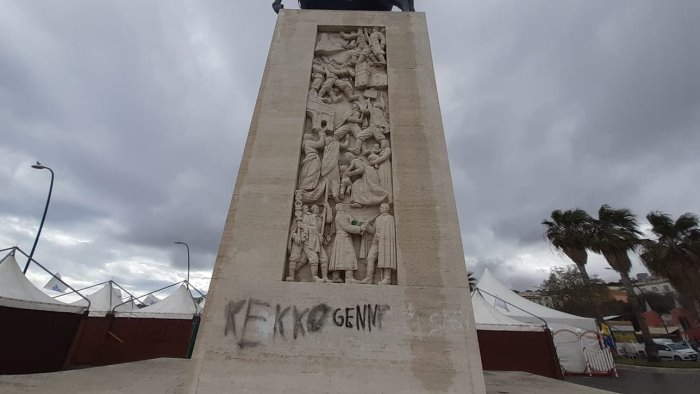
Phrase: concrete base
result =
(171, 376)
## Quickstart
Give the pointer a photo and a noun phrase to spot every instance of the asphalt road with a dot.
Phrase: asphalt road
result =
(645, 380)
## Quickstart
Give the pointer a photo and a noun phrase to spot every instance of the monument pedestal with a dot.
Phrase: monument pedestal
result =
(415, 331)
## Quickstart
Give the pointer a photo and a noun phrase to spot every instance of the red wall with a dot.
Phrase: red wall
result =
(531, 352)
(110, 340)
(652, 318)
(35, 341)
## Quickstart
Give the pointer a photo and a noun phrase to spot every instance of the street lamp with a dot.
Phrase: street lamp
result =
(188, 258)
(39, 166)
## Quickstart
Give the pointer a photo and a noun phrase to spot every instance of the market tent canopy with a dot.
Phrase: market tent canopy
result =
(517, 307)
(150, 300)
(488, 318)
(16, 291)
(178, 305)
(105, 300)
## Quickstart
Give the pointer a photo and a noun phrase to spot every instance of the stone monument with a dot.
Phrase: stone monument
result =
(341, 266)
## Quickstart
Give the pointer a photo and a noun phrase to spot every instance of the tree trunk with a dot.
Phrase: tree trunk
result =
(589, 288)
(649, 346)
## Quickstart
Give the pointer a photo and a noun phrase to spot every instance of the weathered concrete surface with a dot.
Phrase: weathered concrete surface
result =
(500, 382)
(163, 375)
(424, 339)
(169, 376)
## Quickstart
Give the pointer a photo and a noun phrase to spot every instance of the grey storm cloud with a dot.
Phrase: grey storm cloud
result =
(142, 109)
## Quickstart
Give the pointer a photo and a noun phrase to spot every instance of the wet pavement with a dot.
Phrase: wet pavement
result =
(645, 380)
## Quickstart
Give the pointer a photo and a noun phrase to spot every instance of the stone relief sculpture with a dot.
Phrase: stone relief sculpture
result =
(382, 252)
(342, 227)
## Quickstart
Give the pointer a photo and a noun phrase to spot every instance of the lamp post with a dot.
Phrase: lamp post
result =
(188, 258)
(39, 166)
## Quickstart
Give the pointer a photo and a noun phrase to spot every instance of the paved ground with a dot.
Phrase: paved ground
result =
(645, 380)
(171, 376)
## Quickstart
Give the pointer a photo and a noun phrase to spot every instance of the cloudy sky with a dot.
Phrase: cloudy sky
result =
(142, 109)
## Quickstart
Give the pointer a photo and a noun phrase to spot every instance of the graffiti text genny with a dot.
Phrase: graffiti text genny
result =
(293, 322)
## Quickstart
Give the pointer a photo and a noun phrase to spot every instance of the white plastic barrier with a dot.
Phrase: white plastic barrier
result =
(580, 353)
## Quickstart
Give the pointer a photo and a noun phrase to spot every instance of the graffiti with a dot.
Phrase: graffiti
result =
(279, 322)
(255, 317)
(232, 308)
(362, 317)
(445, 321)
(432, 324)
(298, 325)
(317, 317)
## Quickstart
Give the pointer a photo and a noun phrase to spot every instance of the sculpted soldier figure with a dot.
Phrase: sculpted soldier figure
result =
(378, 125)
(350, 122)
(315, 224)
(295, 246)
(343, 256)
(318, 72)
(335, 171)
(338, 76)
(377, 42)
(383, 249)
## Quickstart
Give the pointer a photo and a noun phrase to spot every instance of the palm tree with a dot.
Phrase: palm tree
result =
(569, 232)
(472, 281)
(675, 253)
(615, 234)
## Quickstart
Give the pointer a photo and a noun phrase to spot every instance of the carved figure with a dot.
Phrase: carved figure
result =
(311, 165)
(329, 166)
(295, 246)
(338, 76)
(316, 241)
(351, 38)
(383, 249)
(381, 161)
(378, 125)
(318, 72)
(366, 190)
(353, 66)
(377, 42)
(350, 122)
(310, 240)
(343, 256)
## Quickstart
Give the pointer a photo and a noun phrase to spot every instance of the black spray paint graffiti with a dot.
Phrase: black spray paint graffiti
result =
(360, 317)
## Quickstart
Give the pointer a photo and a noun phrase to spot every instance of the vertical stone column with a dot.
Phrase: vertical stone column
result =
(266, 331)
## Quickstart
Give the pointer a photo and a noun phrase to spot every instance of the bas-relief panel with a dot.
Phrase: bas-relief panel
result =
(342, 228)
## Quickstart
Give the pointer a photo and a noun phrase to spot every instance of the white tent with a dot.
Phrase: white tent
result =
(571, 333)
(490, 319)
(104, 300)
(178, 305)
(150, 300)
(517, 307)
(16, 291)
